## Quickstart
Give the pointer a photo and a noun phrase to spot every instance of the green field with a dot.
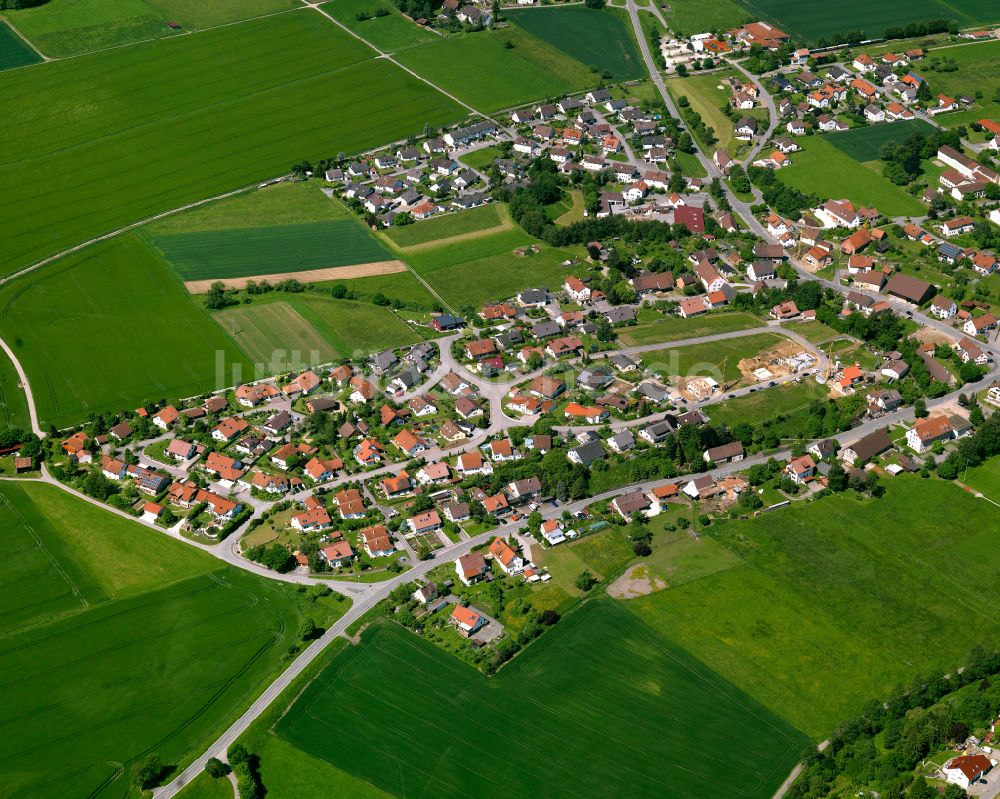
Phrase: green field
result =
(390, 33)
(687, 17)
(448, 226)
(243, 252)
(812, 21)
(839, 600)
(863, 144)
(599, 700)
(402, 286)
(978, 71)
(707, 359)
(118, 641)
(755, 408)
(479, 70)
(13, 402)
(674, 328)
(481, 158)
(985, 479)
(118, 299)
(824, 169)
(14, 52)
(69, 27)
(469, 273)
(148, 132)
(599, 39)
(707, 95)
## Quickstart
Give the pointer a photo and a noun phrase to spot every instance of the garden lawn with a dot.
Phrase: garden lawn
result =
(70, 27)
(597, 38)
(820, 168)
(630, 691)
(840, 599)
(706, 359)
(481, 158)
(244, 252)
(150, 647)
(448, 226)
(149, 132)
(863, 144)
(674, 328)
(810, 22)
(14, 51)
(120, 301)
(480, 70)
(391, 33)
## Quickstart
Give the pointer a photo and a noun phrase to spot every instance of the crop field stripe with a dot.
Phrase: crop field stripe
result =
(864, 144)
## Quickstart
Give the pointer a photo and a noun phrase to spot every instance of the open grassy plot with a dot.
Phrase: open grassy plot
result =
(402, 286)
(707, 359)
(814, 331)
(70, 27)
(707, 95)
(674, 328)
(812, 21)
(687, 17)
(597, 38)
(481, 158)
(480, 70)
(138, 130)
(205, 787)
(119, 299)
(785, 399)
(820, 168)
(14, 51)
(978, 71)
(13, 402)
(137, 643)
(243, 252)
(984, 478)
(460, 223)
(472, 272)
(600, 684)
(863, 144)
(391, 33)
(840, 599)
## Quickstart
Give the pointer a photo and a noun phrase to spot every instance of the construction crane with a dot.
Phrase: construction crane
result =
(723, 363)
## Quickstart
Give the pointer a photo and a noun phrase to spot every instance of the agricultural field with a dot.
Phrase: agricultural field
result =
(598, 38)
(287, 87)
(810, 22)
(449, 226)
(14, 51)
(13, 402)
(70, 27)
(687, 17)
(663, 329)
(390, 33)
(114, 663)
(641, 694)
(482, 71)
(469, 273)
(864, 144)
(120, 299)
(978, 72)
(809, 626)
(707, 359)
(247, 252)
(823, 169)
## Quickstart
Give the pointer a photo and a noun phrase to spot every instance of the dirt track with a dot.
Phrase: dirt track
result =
(308, 276)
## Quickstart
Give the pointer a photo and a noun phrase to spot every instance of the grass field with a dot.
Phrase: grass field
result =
(978, 71)
(391, 33)
(600, 684)
(985, 479)
(481, 158)
(119, 299)
(149, 132)
(13, 402)
(472, 272)
(824, 169)
(809, 21)
(448, 226)
(118, 641)
(243, 252)
(70, 27)
(13, 50)
(707, 95)
(480, 70)
(811, 626)
(402, 286)
(205, 787)
(673, 328)
(755, 408)
(599, 39)
(816, 332)
(706, 359)
(863, 144)
(687, 17)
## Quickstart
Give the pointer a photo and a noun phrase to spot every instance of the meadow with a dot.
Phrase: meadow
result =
(71, 27)
(984, 478)
(121, 300)
(639, 715)
(13, 402)
(402, 286)
(674, 328)
(823, 169)
(141, 130)
(687, 17)
(707, 359)
(783, 400)
(978, 71)
(460, 223)
(707, 95)
(598, 38)
(839, 600)
(126, 642)
(14, 52)
(390, 33)
(482, 71)
(243, 252)
(864, 144)
(812, 21)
